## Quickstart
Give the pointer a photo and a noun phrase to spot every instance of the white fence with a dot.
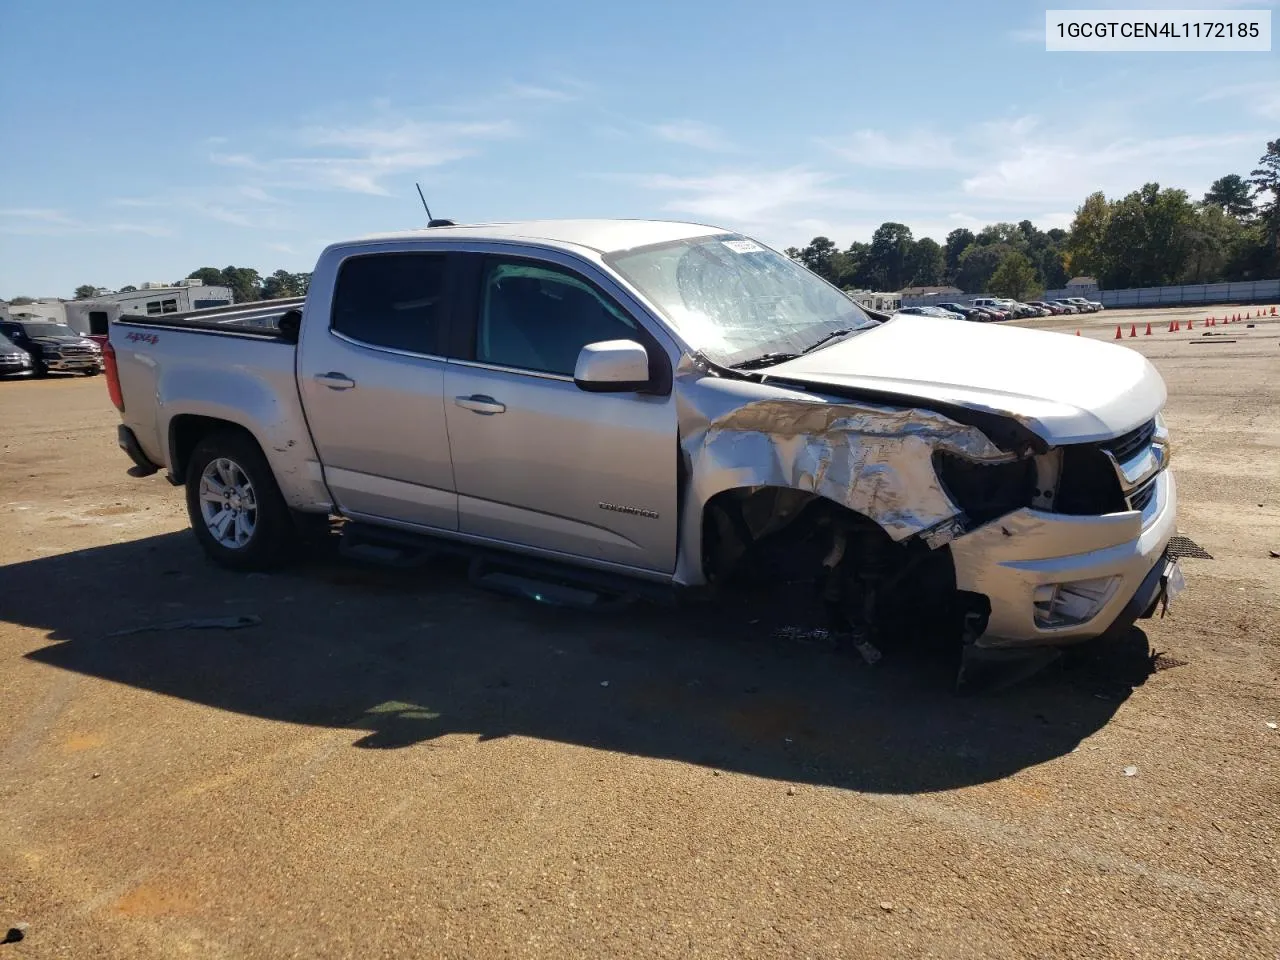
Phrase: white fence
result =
(1250, 291)
(1244, 292)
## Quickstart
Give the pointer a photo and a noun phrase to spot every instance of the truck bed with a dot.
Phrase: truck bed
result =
(229, 365)
(262, 317)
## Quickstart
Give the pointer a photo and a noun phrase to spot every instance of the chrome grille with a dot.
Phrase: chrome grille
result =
(1127, 446)
(1142, 496)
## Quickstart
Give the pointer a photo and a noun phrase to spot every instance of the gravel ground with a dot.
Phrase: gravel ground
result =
(398, 765)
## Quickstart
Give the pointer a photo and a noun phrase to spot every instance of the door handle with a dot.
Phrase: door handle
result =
(335, 381)
(479, 403)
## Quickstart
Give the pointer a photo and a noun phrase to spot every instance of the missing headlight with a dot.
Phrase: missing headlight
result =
(986, 491)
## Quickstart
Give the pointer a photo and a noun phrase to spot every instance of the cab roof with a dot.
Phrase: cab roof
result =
(602, 236)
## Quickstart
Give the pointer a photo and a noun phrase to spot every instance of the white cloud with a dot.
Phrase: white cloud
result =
(741, 197)
(358, 158)
(282, 248)
(218, 205)
(1261, 99)
(38, 214)
(257, 194)
(692, 133)
(234, 160)
(533, 91)
(1005, 169)
(1070, 166)
(39, 222)
(911, 150)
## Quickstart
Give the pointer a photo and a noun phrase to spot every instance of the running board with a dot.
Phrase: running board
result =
(514, 574)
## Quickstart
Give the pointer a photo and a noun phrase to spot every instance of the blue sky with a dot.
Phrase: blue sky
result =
(145, 140)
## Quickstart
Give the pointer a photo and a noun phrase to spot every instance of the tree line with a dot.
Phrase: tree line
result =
(1151, 237)
(247, 285)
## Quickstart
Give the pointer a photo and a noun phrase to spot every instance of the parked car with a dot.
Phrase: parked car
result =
(665, 433)
(931, 311)
(1023, 310)
(14, 361)
(993, 313)
(1050, 309)
(1090, 306)
(999, 306)
(1068, 307)
(969, 313)
(54, 347)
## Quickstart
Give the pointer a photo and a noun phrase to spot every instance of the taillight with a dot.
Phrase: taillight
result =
(113, 376)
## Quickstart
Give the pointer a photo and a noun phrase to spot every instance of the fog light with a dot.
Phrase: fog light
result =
(1069, 604)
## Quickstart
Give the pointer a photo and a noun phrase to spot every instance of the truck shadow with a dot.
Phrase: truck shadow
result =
(404, 657)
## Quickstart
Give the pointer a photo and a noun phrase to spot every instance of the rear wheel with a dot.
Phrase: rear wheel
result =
(234, 503)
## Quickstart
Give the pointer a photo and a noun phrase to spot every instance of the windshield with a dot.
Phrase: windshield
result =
(49, 329)
(734, 300)
(5, 342)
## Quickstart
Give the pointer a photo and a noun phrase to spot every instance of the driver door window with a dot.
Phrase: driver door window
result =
(538, 318)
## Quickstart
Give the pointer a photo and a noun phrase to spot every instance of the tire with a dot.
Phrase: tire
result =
(38, 370)
(92, 373)
(259, 533)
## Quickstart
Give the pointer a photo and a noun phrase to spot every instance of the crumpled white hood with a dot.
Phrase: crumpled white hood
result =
(1065, 388)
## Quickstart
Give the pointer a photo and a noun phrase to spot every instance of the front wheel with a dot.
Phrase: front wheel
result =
(92, 373)
(234, 503)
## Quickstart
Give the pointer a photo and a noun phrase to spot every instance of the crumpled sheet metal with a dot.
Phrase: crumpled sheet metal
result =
(874, 460)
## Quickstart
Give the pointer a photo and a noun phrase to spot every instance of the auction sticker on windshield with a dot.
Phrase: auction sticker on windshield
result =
(743, 246)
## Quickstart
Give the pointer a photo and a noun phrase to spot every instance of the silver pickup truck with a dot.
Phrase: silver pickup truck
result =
(654, 407)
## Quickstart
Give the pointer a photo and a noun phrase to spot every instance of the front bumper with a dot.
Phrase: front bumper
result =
(72, 364)
(11, 369)
(1008, 559)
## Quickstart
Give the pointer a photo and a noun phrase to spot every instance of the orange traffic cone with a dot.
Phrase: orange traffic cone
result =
(1119, 335)
(1177, 326)
(1210, 322)
(1191, 324)
(1133, 329)
(1273, 311)
(1148, 333)
(1171, 327)
(1077, 333)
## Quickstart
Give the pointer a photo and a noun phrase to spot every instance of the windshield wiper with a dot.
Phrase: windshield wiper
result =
(769, 359)
(833, 335)
(764, 360)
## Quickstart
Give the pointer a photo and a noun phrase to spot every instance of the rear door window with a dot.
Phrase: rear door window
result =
(392, 300)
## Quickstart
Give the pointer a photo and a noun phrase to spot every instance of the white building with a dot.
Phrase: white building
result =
(91, 317)
(873, 300)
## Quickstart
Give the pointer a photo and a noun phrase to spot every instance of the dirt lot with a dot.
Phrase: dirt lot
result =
(400, 765)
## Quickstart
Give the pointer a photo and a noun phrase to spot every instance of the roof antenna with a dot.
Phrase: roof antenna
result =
(431, 221)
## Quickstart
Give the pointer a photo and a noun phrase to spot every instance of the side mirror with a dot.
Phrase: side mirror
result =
(612, 366)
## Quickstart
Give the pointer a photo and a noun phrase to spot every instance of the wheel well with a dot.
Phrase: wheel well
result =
(185, 433)
(735, 520)
(770, 540)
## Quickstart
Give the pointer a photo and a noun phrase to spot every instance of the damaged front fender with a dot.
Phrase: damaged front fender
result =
(877, 461)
